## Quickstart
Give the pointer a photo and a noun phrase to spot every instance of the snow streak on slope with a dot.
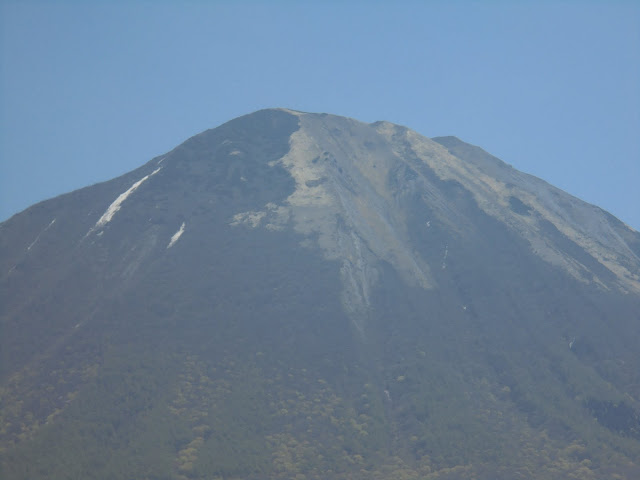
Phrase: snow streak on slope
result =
(40, 234)
(176, 236)
(117, 203)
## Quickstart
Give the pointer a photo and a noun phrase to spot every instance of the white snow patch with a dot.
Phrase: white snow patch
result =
(40, 234)
(117, 203)
(176, 236)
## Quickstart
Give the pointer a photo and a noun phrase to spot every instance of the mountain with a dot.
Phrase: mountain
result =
(305, 296)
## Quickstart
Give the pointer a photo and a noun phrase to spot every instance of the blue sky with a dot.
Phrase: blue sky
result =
(90, 90)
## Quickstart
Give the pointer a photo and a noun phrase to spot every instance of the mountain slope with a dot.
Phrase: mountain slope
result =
(296, 294)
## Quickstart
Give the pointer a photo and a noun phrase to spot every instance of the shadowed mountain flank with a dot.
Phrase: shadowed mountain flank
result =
(295, 295)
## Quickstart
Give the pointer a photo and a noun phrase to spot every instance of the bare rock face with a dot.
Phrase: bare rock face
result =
(352, 181)
(296, 295)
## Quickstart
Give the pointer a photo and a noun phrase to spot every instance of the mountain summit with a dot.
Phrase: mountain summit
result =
(295, 295)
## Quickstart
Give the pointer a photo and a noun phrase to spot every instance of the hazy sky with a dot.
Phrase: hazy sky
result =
(90, 90)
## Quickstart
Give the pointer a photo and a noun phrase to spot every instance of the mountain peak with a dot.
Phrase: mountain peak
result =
(348, 168)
